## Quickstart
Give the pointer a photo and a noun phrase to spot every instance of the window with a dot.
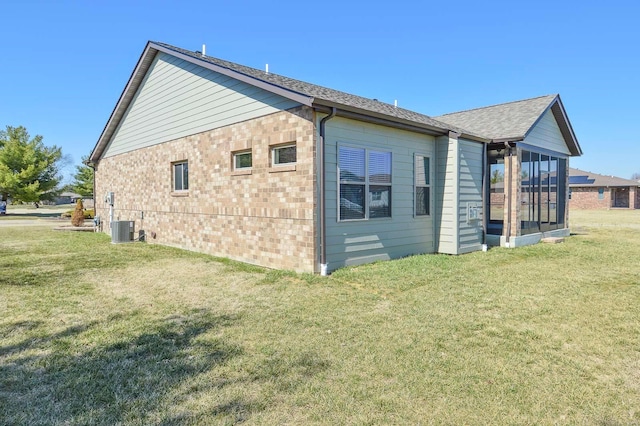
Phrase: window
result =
(600, 193)
(180, 176)
(542, 192)
(422, 191)
(283, 154)
(365, 183)
(242, 160)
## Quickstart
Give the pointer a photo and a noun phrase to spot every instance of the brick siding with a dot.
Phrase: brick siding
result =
(586, 198)
(264, 216)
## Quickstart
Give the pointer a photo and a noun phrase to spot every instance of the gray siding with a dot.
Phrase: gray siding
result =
(470, 193)
(178, 99)
(362, 241)
(546, 134)
(446, 195)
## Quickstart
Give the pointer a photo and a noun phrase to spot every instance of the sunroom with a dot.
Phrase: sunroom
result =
(526, 173)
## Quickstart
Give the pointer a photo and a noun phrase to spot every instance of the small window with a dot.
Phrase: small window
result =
(422, 192)
(181, 176)
(283, 154)
(600, 193)
(242, 160)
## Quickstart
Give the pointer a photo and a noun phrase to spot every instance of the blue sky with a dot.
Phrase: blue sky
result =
(65, 63)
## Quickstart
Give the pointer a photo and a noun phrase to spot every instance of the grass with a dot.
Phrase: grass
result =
(95, 333)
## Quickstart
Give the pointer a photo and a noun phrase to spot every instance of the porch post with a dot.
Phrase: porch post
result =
(512, 185)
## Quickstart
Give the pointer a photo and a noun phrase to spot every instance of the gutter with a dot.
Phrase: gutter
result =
(394, 122)
(322, 203)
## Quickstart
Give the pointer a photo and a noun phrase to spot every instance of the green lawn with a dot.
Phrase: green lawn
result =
(95, 333)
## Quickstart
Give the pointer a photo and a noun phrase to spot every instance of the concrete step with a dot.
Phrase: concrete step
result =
(553, 240)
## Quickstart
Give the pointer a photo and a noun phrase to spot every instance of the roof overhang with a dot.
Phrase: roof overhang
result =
(152, 49)
(390, 121)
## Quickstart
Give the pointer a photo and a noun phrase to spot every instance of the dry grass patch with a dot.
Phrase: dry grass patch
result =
(142, 334)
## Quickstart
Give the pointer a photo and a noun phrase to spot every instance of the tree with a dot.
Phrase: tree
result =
(496, 176)
(29, 170)
(83, 179)
(635, 176)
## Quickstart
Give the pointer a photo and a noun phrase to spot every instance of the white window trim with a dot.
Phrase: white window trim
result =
(415, 186)
(366, 184)
(235, 164)
(275, 148)
(173, 176)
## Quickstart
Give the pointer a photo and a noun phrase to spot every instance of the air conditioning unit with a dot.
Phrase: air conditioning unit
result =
(122, 231)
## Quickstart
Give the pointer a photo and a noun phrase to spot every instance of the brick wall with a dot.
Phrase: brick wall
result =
(264, 216)
(586, 198)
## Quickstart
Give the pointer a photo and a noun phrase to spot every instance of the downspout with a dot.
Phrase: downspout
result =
(508, 236)
(322, 203)
(484, 196)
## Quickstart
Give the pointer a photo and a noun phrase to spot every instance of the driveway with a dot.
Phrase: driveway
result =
(30, 216)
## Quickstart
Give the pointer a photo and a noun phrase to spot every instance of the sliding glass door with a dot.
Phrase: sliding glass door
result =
(543, 192)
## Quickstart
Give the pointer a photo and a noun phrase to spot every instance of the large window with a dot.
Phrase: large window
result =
(180, 176)
(365, 183)
(422, 191)
(543, 192)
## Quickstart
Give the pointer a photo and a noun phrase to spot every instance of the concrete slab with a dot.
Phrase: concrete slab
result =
(553, 240)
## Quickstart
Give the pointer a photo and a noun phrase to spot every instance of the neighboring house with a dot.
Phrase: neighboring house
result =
(593, 191)
(213, 156)
(67, 198)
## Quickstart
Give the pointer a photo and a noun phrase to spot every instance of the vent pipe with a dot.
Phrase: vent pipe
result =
(204, 50)
(266, 68)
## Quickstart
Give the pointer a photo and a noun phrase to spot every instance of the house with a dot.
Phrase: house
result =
(213, 156)
(67, 198)
(593, 191)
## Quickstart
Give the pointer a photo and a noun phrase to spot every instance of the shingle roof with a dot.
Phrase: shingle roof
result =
(322, 94)
(508, 120)
(597, 180)
(501, 122)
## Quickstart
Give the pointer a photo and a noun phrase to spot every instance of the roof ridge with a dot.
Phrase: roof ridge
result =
(268, 77)
(178, 49)
(500, 104)
(587, 173)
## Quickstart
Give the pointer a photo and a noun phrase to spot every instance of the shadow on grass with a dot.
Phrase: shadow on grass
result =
(35, 341)
(128, 380)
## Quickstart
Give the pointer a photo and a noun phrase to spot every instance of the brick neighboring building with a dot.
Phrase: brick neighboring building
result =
(592, 191)
(216, 157)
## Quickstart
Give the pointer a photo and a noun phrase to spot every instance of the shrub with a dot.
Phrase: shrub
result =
(78, 214)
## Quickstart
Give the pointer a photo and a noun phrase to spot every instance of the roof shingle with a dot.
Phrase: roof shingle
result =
(508, 120)
(595, 179)
(324, 94)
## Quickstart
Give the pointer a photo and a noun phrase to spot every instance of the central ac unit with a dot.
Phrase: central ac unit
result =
(122, 231)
